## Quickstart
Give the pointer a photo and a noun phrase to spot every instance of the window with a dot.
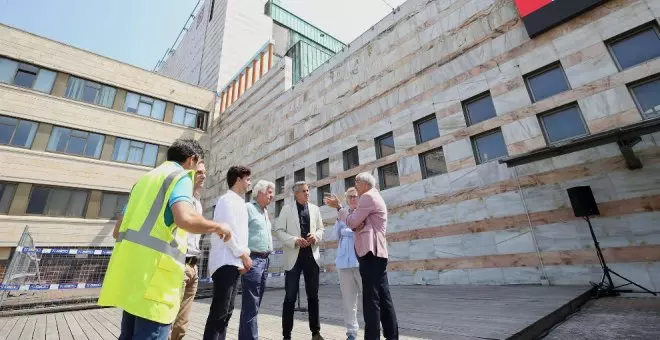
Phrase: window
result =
(320, 194)
(479, 108)
(388, 176)
(7, 191)
(17, 132)
(279, 185)
(323, 169)
(432, 163)
(636, 46)
(351, 158)
(426, 129)
(90, 92)
(26, 75)
(646, 95)
(248, 196)
(489, 146)
(384, 145)
(562, 124)
(189, 117)
(75, 142)
(134, 152)
(299, 175)
(145, 106)
(546, 82)
(349, 182)
(60, 202)
(278, 207)
(112, 204)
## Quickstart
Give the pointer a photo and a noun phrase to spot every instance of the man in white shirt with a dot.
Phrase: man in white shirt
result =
(191, 279)
(228, 260)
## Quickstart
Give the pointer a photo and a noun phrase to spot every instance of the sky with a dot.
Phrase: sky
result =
(138, 32)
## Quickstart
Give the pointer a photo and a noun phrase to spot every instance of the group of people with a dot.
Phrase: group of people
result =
(153, 274)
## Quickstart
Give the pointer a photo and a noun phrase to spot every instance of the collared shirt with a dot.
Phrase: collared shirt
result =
(260, 238)
(346, 248)
(230, 209)
(193, 239)
(303, 218)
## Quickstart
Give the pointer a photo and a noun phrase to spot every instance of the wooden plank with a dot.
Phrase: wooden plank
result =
(95, 317)
(63, 329)
(51, 328)
(74, 327)
(28, 330)
(40, 328)
(7, 327)
(89, 331)
(16, 331)
(101, 333)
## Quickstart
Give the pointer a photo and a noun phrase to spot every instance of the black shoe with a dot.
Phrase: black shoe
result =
(317, 337)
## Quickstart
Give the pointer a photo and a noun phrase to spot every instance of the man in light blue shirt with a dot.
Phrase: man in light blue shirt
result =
(260, 242)
(350, 281)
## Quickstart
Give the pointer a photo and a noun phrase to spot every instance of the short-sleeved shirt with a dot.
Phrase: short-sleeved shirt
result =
(182, 192)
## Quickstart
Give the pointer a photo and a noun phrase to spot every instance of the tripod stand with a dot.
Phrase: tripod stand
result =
(300, 309)
(607, 288)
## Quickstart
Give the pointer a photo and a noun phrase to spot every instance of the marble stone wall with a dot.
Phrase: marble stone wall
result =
(477, 223)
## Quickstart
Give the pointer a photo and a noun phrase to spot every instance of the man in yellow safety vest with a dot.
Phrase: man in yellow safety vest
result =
(145, 274)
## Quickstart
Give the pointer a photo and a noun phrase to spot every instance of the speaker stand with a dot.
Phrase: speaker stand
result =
(606, 287)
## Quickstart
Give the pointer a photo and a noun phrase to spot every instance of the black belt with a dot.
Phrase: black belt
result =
(261, 255)
(191, 260)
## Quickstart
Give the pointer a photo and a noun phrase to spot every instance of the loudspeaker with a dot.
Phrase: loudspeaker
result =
(583, 201)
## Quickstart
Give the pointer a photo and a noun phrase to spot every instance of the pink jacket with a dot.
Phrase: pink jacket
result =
(369, 222)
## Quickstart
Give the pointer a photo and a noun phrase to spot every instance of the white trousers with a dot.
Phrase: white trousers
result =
(350, 284)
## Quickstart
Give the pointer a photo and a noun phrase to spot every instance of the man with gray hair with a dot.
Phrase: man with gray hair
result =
(260, 242)
(300, 229)
(369, 222)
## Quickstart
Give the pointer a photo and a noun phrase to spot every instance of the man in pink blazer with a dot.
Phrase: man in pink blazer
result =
(369, 222)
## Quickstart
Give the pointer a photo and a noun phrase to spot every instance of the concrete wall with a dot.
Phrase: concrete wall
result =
(482, 224)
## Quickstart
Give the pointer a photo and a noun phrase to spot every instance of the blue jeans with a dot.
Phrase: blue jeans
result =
(253, 284)
(137, 328)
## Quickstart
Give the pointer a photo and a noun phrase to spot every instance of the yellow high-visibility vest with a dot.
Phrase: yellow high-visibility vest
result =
(146, 270)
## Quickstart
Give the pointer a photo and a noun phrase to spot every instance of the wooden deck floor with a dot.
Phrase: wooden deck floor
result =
(424, 312)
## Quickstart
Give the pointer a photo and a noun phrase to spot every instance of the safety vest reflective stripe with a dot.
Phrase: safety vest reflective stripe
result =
(143, 235)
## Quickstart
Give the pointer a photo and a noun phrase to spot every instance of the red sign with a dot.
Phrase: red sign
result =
(528, 6)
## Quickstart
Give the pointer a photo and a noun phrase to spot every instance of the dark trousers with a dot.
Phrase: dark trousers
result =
(137, 328)
(225, 287)
(306, 265)
(378, 306)
(253, 285)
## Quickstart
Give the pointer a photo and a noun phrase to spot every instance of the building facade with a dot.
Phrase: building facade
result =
(76, 131)
(431, 99)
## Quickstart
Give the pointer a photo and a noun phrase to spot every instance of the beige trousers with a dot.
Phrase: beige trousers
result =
(190, 281)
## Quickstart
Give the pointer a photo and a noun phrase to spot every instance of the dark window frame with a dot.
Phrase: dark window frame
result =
(279, 204)
(103, 193)
(467, 102)
(91, 83)
(13, 134)
(419, 122)
(319, 194)
(36, 75)
(53, 187)
(116, 150)
(540, 71)
(142, 98)
(627, 34)
(557, 110)
(295, 175)
(347, 182)
(86, 142)
(381, 177)
(631, 88)
(279, 186)
(422, 163)
(379, 139)
(345, 156)
(475, 149)
(319, 169)
(4, 185)
(200, 115)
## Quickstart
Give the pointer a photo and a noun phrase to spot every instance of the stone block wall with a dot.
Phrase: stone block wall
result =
(478, 223)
